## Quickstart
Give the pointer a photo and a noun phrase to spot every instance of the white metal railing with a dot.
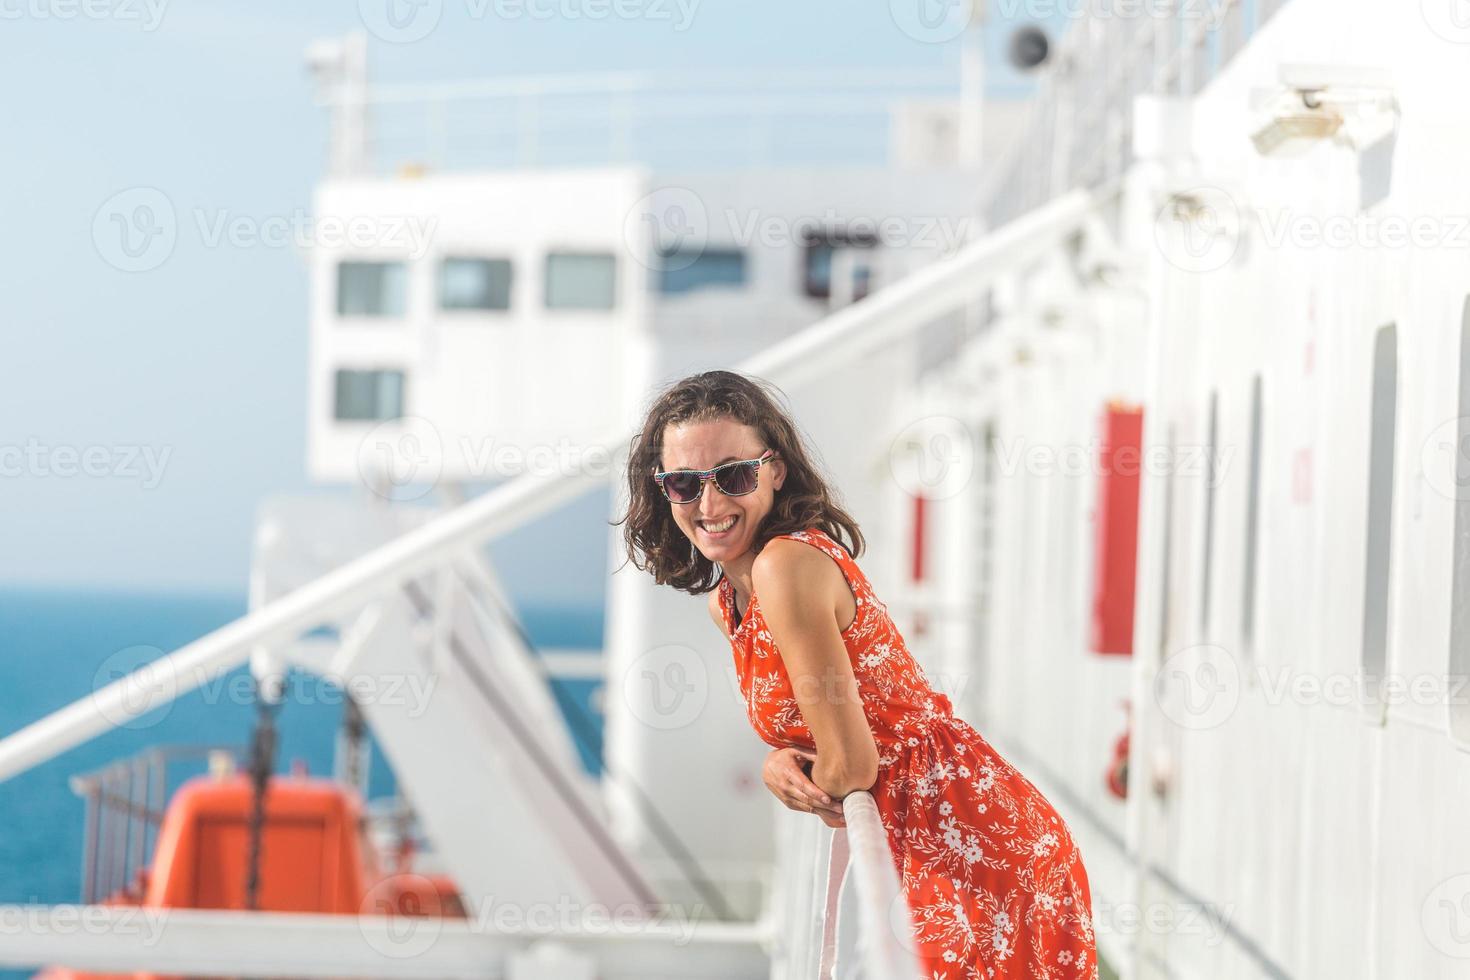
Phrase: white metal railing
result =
(227, 943)
(1078, 126)
(862, 851)
(837, 899)
(670, 119)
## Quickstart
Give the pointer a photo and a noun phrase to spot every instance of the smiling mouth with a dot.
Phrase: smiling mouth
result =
(720, 528)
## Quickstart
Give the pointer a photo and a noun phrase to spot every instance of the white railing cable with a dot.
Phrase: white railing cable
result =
(828, 345)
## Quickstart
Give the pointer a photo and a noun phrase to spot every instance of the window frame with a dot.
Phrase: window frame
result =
(440, 266)
(615, 299)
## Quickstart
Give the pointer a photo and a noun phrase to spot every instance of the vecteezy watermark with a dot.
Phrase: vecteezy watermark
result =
(37, 919)
(1444, 459)
(137, 229)
(670, 229)
(1449, 19)
(407, 21)
(135, 688)
(1199, 230)
(401, 459)
(39, 460)
(1199, 11)
(1445, 916)
(1203, 919)
(932, 21)
(404, 458)
(1199, 687)
(932, 457)
(1087, 459)
(1202, 230)
(411, 234)
(667, 687)
(394, 921)
(146, 13)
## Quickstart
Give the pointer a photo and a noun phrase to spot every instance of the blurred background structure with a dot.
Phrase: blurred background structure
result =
(1134, 334)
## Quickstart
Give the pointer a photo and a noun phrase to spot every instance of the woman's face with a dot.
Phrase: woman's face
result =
(703, 446)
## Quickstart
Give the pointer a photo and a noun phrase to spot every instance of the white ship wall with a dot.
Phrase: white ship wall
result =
(1292, 835)
(523, 378)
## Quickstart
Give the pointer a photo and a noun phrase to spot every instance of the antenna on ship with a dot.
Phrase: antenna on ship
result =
(972, 87)
(339, 67)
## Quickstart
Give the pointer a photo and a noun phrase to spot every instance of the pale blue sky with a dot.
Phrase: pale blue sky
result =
(204, 358)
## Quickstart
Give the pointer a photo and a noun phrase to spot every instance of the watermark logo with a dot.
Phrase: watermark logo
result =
(133, 688)
(1198, 687)
(933, 457)
(1445, 916)
(401, 459)
(131, 684)
(667, 229)
(407, 21)
(1210, 12)
(135, 230)
(393, 919)
(1015, 455)
(1199, 230)
(1444, 459)
(667, 687)
(400, 21)
(932, 21)
(405, 458)
(1448, 19)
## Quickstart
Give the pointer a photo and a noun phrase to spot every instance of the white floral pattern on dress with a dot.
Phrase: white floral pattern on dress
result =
(992, 875)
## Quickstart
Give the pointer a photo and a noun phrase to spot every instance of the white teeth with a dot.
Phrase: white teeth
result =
(724, 525)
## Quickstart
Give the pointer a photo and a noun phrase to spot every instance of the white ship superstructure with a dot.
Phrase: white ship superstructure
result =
(1160, 460)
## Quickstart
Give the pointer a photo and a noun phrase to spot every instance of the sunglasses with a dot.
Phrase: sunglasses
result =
(733, 479)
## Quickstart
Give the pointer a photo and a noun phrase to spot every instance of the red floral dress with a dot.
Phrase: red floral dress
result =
(994, 880)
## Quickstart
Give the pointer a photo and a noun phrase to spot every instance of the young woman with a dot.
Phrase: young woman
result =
(725, 500)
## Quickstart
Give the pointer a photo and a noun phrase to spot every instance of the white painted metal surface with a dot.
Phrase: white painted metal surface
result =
(207, 942)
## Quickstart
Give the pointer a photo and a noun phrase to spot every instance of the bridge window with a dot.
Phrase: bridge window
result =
(581, 281)
(819, 252)
(687, 270)
(368, 396)
(1376, 577)
(474, 284)
(372, 289)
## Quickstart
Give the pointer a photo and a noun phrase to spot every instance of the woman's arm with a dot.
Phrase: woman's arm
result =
(798, 588)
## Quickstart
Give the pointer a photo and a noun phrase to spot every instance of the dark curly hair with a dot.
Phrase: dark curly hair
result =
(653, 540)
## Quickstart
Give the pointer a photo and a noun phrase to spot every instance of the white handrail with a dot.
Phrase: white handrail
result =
(219, 942)
(884, 953)
(826, 346)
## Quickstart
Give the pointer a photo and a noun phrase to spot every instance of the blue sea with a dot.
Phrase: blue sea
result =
(56, 644)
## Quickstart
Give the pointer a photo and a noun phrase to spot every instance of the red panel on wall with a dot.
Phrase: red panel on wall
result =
(1116, 518)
